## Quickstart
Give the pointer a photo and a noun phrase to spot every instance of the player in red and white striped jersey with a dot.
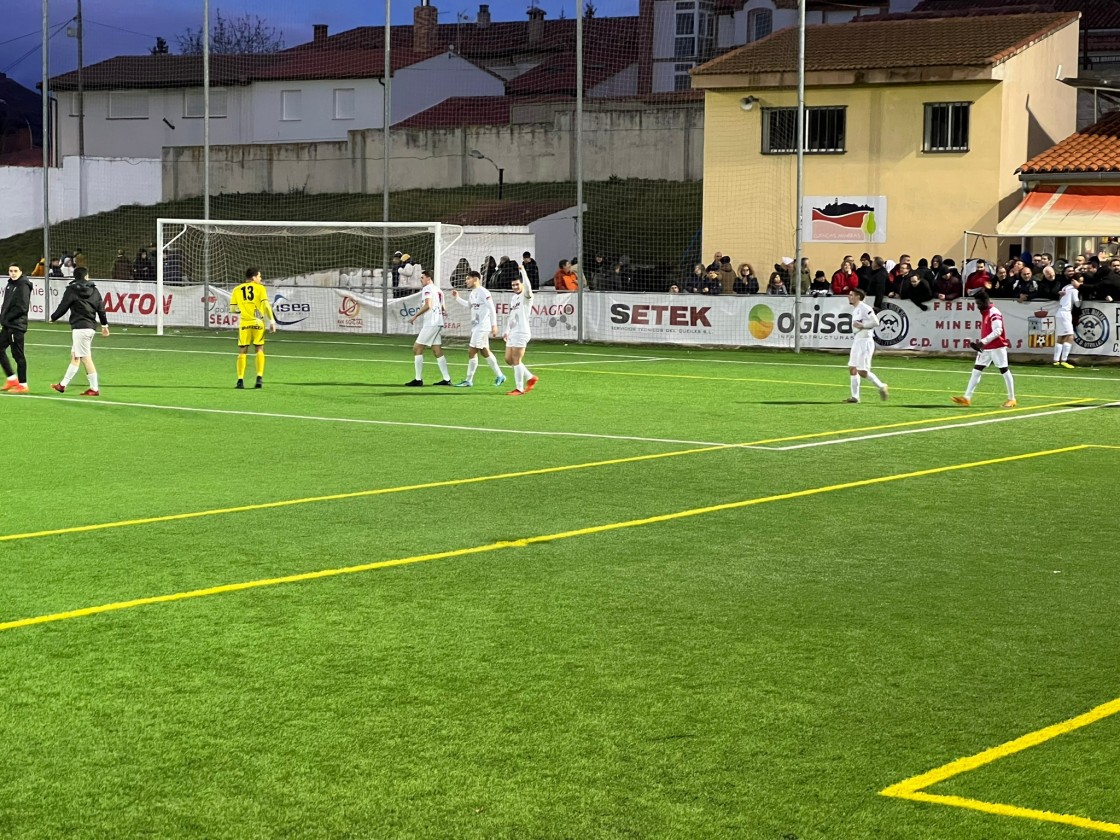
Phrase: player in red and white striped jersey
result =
(990, 348)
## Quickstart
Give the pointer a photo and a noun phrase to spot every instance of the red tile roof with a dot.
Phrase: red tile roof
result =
(169, 71)
(1095, 14)
(1093, 149)
(460, 111)
(936, 42)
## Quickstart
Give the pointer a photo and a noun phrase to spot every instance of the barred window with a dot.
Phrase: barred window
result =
(946, 127)
(824, 130)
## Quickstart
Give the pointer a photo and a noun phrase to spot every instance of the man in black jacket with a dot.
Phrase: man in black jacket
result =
(83, 301)
(13, 328)
(878, 282)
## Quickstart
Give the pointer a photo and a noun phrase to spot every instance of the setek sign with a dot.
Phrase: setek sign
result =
(658, 315)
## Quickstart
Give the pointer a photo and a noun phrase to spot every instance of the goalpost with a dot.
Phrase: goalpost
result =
(214, 254)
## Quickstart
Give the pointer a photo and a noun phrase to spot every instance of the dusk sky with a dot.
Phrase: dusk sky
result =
(115, 27)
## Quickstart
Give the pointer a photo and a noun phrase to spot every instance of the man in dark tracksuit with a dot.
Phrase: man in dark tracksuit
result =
(82, 300)
(13, 328)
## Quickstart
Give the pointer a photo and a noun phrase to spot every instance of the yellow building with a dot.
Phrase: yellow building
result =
(917, 123)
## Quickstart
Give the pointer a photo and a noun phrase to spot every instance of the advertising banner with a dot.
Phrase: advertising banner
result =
(845, 218)
(136, 304)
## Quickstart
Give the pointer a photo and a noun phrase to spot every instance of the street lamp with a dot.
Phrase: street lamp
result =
(477, 155)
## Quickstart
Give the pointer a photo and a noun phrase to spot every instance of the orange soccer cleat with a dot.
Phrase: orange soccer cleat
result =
(532, 383)
(515, 393)
(9, 384)
(89, 392)
(962, 400)
(18, 389)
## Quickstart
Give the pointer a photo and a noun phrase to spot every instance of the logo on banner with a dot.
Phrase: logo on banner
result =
(282, 306)
(1040, 330)
(349, 314)
(894, 325)
(760, 321)
(1092, 328)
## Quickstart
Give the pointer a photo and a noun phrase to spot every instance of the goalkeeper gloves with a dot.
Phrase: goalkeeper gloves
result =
(976, 345)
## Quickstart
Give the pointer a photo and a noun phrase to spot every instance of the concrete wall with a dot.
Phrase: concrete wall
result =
(626, 141)
(105, 184)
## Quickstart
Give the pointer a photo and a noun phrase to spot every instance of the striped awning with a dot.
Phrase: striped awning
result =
(1065, 211)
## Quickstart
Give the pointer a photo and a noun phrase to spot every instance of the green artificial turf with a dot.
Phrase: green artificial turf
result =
(758, 671)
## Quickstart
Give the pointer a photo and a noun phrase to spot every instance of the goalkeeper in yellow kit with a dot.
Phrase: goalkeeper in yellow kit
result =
(250, 301)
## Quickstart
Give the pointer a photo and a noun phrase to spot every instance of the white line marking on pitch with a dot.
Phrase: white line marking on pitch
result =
(899, 432)
(365, 421)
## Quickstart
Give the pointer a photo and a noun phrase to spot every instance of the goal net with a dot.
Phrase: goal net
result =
(198, 263)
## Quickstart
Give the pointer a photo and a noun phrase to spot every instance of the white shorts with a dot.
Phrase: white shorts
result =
(429, 336)
(1064, 322)
(860, 355)
(480, 339)
(518, 339)
(80, 343)
(998, 357)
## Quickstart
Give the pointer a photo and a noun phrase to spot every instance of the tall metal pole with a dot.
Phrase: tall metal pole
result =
(45, 137)
(580, 293)
(205, 162)
(81, 114)
(387, 117)
(800, 175)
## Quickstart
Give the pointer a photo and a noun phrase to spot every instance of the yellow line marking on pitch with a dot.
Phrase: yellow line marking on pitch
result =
(759, 380)
(913, 788)
(520, 543)
(456, 482)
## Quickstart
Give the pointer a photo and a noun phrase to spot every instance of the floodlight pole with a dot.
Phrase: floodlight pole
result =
(579, 167)
(44, 134)
(387, 118)
(205, 164)
(800, 199)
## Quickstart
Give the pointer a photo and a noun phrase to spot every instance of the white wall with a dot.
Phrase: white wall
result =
(556, 240)
(145, 137)
(477, 243)
(108, 183)
(419, 86)
(316, 115)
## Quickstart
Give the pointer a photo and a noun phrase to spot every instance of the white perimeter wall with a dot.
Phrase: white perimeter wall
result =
(75, 190)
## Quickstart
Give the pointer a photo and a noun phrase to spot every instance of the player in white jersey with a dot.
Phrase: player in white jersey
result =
(864, 322)
(430, 316)
(517, 335)
(484, 325)
(1069, 298)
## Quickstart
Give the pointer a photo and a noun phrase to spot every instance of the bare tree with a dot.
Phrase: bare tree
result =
(160, 48)
(245, 35)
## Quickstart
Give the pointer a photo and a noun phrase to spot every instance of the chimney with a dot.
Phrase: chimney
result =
(425, 18)
(320, 36)
(536, 25)
(483, 15)
(645, 48)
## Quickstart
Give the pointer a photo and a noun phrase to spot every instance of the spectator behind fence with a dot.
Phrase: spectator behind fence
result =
(122, 266)
(980, 278)
(143, 269)
(863, 272)
(877, 282)
(726, 276)
(1105, 285)
(565, 279)
(532, 271)
(917, 291)
(697, 279)
(820, 286)
(40, 269)
(1026, 287)
(1002, 284)
(844, 279)
(712, 284)
(67, 266)
(900, 279)
(460, 273)
(714, 264)
(55, 269)
(777, 283)
(598, 273)
(949, 285)
(746, 283)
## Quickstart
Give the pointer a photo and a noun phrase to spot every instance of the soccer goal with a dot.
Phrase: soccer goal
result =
(199, 261)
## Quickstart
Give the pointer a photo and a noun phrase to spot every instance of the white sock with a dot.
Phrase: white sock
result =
(418, 364)
(442, 362)
(92, 380)
(973, 381)
(1058, 352)
(472, 366)
(1066, 348)
(71, 372)
(875, 380)
(492, 360)
(855, 386)
(12, 378)
(519, 376)
(1010, 383)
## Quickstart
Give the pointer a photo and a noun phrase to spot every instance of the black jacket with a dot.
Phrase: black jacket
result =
(85, 305)
(17, 303)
